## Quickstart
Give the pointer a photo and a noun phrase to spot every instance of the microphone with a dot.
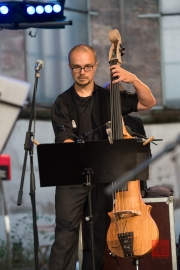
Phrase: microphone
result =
(62, 128)
(38, 65)
(109, 132)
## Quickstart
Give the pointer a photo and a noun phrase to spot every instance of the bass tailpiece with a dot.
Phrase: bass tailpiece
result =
(126, 241)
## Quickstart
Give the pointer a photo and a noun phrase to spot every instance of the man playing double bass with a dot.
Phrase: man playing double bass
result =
(83, 107)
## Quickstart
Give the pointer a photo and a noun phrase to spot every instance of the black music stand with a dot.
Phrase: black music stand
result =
(93, 162)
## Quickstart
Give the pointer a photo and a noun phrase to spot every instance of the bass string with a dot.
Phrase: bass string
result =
(117, 133)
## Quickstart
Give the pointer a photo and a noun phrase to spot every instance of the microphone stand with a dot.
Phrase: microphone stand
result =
(28, 147)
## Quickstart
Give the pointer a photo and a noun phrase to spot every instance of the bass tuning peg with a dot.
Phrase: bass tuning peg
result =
(122, 48)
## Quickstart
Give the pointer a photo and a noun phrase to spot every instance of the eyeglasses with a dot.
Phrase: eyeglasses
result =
(86, 68)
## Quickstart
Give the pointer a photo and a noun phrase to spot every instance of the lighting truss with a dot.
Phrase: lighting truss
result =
(21, 15)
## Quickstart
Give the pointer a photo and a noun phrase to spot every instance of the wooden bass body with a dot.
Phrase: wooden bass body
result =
(131, 221)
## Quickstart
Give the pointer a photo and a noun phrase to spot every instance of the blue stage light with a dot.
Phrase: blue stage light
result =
(22, 14)
(57, 8)
(31, 10)
(39, 9)
(48, 8)
(4, 10)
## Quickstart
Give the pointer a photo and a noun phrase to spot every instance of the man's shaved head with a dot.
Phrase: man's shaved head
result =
(82, 48)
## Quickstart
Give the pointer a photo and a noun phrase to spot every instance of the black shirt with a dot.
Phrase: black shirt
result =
(79, 115)
(85, 105)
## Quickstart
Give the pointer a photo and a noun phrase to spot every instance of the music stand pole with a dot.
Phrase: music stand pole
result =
(88, 173)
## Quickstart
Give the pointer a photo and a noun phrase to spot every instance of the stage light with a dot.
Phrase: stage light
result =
(57, 8)
(39, 9)
(21, 15)
(4, 10)
(31, 10)
(48, 8)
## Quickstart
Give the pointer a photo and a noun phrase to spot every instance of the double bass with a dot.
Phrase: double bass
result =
(132, 232)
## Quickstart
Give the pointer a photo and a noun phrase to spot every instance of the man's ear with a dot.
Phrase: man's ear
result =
(70, 67)
(96, 65)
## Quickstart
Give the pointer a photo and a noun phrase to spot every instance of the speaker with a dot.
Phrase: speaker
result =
(164, 256)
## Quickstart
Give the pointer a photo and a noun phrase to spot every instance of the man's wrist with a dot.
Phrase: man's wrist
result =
(134, 80)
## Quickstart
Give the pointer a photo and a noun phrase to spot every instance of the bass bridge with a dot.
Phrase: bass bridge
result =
(126, 214)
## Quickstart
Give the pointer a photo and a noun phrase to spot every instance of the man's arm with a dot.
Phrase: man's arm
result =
(60, 117)
(145, 96)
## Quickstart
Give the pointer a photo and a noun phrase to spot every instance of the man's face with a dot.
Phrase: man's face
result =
(81, 59)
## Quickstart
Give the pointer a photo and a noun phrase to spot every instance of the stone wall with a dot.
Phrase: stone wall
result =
(12, 54)
(140, 37)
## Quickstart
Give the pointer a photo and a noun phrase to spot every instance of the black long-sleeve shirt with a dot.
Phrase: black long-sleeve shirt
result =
(78, 115)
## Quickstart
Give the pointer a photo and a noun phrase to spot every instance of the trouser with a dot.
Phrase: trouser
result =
(71, 204)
